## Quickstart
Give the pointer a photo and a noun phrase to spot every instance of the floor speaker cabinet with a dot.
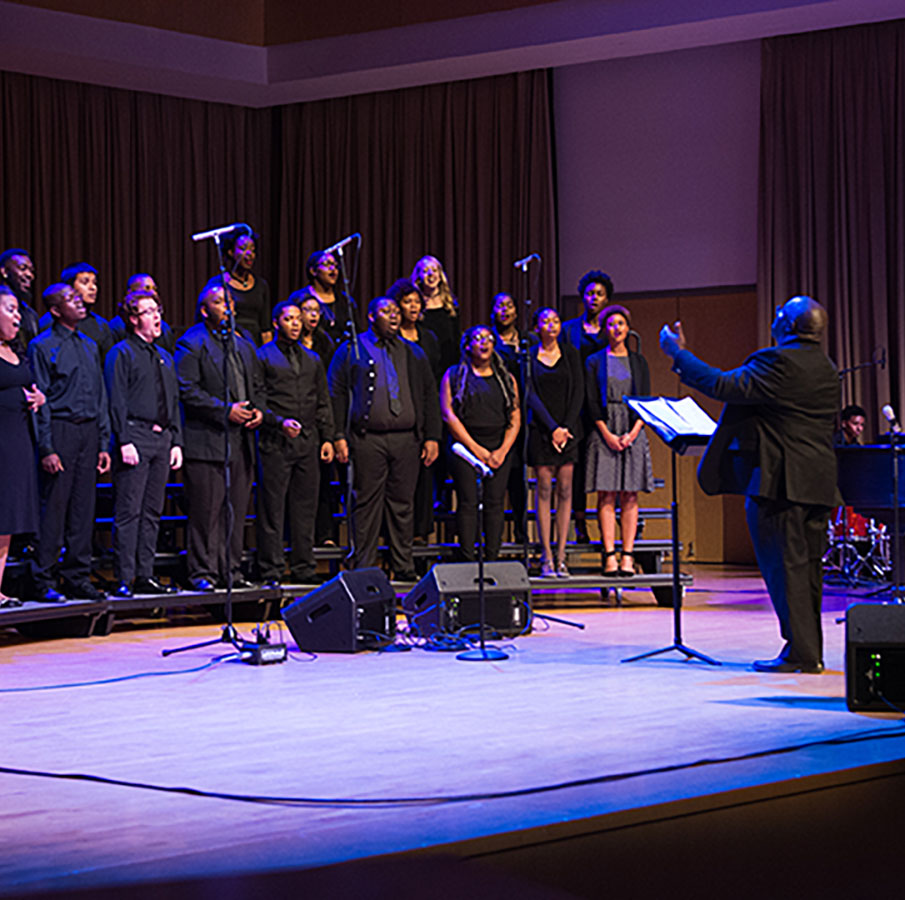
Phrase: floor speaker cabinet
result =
(446, 599)
(354, 611)
(875, 657)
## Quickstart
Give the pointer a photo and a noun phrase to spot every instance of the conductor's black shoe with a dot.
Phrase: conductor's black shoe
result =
(50, 595)
(202, 585)
(153, 586)
(84, 590)
(123, 590)
(783, 665)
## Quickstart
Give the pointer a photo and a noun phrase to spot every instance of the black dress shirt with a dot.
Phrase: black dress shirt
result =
(167, 339)
(93, 325)
(296, 391)
(68, 371)
(141, 382)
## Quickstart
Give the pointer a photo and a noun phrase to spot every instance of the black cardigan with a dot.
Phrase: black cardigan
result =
(596, 383)
(540, 415)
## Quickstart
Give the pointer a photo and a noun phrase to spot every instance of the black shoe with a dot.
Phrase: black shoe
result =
(202, 585)
(123, 590)
(153, 586)
(272, 584)
(243, 584)
(781, 664)
(10, 602)
(50, 595)
(84, 590)
(626, 573)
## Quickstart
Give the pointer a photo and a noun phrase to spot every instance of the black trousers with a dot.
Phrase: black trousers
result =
(789, 542)
(67, 506)
(466, 485)
(386, 471)
(140, 491)
(288, 478)
(205, 495)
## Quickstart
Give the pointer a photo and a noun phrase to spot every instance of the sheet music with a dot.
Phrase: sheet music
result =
(681, 416)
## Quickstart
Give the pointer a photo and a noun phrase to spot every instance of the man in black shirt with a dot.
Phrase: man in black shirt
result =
(141, 281)
(297, 431)
(17, 271)
(200, 356)
(73, 436)
(393, 428)
(144, 414)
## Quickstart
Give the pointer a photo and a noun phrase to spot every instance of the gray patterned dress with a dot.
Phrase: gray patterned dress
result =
(631, 469)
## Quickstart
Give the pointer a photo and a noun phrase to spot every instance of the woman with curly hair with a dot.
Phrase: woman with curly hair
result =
(588, 336)
(479, 401)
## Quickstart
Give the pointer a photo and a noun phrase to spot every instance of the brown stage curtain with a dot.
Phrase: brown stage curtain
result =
(122, 179)
(832, 192)
(460, 171)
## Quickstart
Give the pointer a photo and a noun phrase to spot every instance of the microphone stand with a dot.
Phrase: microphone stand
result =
(483, 653)
(228, 634)
(355, 356)
(525, 373)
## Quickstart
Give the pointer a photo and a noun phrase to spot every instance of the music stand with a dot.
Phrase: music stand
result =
(685, 428)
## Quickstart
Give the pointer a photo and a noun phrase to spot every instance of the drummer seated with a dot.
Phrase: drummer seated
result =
(852, 426)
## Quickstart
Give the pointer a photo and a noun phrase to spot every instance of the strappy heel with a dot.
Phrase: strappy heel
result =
(627, 573)
(612, 572)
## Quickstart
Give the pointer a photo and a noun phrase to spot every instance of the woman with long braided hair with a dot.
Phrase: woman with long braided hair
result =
(480, 405)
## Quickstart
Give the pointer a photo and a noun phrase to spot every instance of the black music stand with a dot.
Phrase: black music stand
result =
(678, 425)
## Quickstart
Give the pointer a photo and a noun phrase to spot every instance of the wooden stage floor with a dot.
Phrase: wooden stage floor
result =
(601, 745)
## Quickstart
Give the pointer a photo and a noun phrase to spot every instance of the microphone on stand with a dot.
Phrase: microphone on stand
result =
(523, 263)
(223, 229)
(891, 418)
(464, 453)
(346, 240)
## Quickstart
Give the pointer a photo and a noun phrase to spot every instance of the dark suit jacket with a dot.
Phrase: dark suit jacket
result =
(775, 436)
(199, 365)
(361, 373)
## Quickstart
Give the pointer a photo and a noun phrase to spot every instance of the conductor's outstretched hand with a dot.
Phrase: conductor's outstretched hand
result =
(671, 342)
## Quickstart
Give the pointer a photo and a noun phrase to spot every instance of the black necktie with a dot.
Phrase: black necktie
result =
(392, 378)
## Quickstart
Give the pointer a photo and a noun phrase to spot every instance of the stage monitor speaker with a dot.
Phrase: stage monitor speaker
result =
(875, 657)
(446, 599)
(353, 611)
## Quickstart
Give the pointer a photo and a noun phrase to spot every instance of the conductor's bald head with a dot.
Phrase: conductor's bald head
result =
(801, 317)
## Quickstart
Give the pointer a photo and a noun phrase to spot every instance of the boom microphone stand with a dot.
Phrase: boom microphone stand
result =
(525, 373)
(228, 634)
(355, 352)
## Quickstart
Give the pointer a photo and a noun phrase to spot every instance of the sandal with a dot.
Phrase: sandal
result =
(547, 570)
(614, 571)
(626, 573)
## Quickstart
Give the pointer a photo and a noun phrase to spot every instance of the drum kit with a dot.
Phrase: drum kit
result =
(859, 548)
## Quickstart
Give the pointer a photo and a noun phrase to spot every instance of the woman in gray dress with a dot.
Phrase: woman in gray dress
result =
(619, 463)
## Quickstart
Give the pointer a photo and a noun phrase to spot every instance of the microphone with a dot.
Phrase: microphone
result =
(223, 229)
(340, 244)
(523, 263)
(464, 453)
(890, 417)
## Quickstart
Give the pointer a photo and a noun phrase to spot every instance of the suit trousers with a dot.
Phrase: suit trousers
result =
(789, 542)
(67, 506)
(466, 485)
(288, 477)
(205, 493)
(385, 474)
(140, 491)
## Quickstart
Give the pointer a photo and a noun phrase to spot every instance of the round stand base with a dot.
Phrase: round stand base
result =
(488, 653)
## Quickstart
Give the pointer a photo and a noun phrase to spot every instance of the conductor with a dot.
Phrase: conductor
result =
(774, 445)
